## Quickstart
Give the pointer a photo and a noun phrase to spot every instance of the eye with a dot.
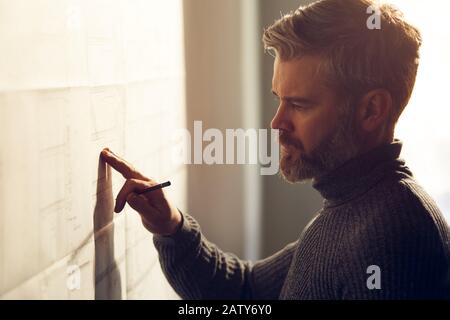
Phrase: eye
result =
(298, 106)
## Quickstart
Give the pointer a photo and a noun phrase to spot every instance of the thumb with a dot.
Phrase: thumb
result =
(130, 186)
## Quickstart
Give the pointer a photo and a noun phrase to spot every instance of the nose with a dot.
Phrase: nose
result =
(281, 120)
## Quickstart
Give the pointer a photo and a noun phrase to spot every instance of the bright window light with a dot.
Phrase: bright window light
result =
(424, 126)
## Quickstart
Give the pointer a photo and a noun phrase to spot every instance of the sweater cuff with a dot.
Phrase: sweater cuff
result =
(187, 235)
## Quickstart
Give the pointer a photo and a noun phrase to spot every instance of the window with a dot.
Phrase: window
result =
(423, 126)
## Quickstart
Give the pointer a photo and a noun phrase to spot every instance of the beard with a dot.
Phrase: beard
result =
(333, 151)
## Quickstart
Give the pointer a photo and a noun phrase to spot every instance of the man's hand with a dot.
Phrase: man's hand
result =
(158, 215)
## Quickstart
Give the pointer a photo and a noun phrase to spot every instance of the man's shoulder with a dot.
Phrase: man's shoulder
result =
(403, 233)
(394, 199)
(399, 210)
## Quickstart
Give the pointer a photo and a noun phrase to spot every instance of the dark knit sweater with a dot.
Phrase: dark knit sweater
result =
(374, 213)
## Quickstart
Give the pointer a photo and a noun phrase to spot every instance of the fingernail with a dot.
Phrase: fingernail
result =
(109, 151)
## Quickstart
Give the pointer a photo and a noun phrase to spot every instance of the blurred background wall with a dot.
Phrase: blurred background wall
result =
(229, 86)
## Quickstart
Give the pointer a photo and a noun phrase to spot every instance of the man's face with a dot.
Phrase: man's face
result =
(316, 131)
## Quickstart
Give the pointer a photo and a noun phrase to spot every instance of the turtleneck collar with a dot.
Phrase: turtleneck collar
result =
(359, 174)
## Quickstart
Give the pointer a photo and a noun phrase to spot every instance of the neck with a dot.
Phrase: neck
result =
(375, 140)
(359, 174)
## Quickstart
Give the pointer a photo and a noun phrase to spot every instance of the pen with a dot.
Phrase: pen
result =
(155, 187)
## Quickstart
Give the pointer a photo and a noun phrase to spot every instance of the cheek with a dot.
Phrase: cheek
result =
(312, 129)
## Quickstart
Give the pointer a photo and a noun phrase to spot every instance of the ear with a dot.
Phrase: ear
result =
(374, 110)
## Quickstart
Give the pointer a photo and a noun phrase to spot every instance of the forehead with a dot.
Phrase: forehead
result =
(298, 76)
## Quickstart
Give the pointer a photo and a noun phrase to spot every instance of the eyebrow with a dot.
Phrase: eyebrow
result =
(295, 99)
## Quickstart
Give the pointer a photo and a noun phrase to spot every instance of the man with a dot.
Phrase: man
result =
(341, 88)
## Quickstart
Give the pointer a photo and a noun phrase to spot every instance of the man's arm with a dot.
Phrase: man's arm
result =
(196, 268)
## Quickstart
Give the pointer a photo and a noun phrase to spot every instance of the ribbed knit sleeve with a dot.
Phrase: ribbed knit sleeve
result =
(198, 269)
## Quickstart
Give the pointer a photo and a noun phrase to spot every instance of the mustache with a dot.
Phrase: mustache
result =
(285, 139)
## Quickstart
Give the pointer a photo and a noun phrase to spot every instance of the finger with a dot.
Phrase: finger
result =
(130, 186)
(126, 169)
(118, 164)
(138, 203)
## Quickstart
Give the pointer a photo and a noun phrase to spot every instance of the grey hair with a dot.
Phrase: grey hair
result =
(356, 59)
